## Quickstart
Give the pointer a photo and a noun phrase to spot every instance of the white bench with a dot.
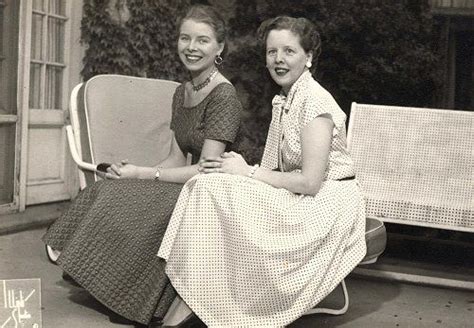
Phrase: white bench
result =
(416, 166)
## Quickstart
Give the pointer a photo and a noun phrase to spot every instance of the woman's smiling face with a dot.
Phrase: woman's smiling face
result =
(198, 46)
(286, 59)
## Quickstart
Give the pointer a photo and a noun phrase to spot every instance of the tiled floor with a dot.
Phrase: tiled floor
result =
(374, 303)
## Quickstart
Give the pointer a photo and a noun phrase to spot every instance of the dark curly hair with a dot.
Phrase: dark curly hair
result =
(310, 39)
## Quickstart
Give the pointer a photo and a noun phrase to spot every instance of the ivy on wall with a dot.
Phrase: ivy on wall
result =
(132, 37)
(385, 52)
(381, 52)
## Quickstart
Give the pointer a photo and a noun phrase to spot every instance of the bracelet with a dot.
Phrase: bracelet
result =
(253, 170)
(158, 173)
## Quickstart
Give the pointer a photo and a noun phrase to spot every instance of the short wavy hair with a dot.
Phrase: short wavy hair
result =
(210, 16)
(310, 39)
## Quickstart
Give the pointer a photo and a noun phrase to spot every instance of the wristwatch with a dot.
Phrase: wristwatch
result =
(157, 174)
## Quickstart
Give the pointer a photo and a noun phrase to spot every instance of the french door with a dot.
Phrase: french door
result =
(10, 123)
(46, 155)
(34, 87)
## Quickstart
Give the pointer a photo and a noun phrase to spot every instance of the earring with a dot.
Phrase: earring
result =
(309, 64)
(218, 61)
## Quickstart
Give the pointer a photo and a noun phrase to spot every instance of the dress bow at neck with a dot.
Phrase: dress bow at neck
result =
(279, 101)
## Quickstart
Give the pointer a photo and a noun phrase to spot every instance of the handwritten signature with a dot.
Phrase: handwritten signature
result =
(17, 303)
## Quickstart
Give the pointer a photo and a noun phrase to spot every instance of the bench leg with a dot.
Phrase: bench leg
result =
(334, 311)
(179, 310)
(371, 261)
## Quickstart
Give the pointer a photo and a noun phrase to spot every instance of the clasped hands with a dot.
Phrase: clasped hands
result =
(228, 162)
(122, 170)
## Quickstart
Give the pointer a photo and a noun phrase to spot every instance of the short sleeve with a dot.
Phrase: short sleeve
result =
(323, 103)
(177, 100)
(223, 114)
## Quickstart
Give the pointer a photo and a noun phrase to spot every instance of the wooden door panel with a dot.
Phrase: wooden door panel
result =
(47, 157)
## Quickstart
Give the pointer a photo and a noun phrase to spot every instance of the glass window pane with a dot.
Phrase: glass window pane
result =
(35, 86)
(38, 5)
(3, 105)
(2, 22)
(55, 40)
(36, 37)
(3, 27)
(8, 56)
(57, 7)
(2, 77)
(7, 162)
(54, 80)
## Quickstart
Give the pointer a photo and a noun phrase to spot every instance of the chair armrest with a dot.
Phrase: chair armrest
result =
(74, 153)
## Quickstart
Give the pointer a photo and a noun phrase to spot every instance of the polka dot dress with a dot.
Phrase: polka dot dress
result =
(242, 253)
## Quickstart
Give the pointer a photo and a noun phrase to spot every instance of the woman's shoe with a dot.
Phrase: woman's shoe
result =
(52, 254)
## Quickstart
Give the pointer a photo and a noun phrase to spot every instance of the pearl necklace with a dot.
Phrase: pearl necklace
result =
(204, 83)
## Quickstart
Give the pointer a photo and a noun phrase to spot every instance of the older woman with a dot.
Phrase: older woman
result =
(257, 246)
(109, 237)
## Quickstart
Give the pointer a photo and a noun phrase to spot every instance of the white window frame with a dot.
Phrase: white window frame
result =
(29, 116)
(44, 62)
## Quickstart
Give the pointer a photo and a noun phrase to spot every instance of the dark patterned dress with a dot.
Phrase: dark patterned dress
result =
(111, 233)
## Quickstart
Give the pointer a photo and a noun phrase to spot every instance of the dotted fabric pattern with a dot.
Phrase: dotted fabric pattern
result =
(110, 235)
(306, 100)
(216, 117)
(416, 164)
(108, 240)
(242, 253)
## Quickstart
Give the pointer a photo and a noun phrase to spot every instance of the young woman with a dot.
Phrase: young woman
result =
(109, 237)
(257, 246)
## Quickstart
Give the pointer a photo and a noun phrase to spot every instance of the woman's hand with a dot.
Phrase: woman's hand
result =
(230, 162)
(122, 170)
